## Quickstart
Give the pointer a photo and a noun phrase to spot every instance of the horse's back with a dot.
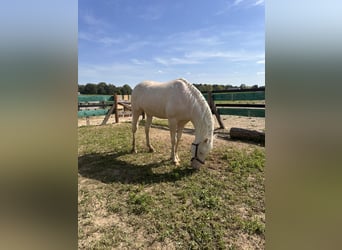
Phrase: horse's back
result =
(159, 87)
(158, 98)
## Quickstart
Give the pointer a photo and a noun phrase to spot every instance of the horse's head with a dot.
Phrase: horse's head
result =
(199, 152)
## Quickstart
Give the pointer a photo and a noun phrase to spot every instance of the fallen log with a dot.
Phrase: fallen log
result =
(247, 135)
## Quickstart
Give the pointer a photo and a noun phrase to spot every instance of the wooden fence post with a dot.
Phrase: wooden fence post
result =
(214, 109)
(111, 110)
(116, 108)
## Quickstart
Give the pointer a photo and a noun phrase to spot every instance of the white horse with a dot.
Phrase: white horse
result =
(179, 102)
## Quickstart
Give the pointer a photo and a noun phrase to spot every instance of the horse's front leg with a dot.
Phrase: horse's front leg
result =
(173, 127)
(180, 127)
(147, 132)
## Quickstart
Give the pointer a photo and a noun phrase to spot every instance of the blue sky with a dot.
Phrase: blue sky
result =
(203, 41)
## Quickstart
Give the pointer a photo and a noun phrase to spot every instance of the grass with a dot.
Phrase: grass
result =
(143, 201)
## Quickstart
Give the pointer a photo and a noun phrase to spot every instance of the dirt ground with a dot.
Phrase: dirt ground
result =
(229, 121)
(98, 220)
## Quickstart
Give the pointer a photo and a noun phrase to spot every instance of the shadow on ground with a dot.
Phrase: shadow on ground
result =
(109, 168)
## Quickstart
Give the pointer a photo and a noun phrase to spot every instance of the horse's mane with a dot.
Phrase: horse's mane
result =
(198, 101)
(197, 98)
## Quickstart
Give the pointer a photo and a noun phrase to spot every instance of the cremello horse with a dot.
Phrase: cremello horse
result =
(179, 102)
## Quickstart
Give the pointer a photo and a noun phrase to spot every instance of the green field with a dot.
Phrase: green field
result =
(142, 201)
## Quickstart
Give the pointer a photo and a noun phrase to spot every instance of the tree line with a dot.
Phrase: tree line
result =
(215, 87)
(103, 88)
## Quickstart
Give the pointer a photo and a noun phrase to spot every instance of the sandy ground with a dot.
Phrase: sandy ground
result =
(252, 123)
(229, 121)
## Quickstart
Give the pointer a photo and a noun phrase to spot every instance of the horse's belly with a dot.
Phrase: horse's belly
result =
(165, 113)
(156, 111)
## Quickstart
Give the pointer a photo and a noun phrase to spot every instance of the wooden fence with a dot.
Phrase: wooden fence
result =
(103, 105)
(240, 102)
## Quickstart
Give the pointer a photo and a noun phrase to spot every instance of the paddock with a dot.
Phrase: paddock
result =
(144, 201)
(252, 123)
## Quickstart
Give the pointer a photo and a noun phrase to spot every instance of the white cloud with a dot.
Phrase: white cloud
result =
(174, 61)
(259, 2)
(103, 69)
(92, 21)
(237, 2)
(108, 41)
(115, 73)
(199, 57)
(122, 73)
(139, 62)
(200, 37)
(85, 36)
(131, 46)
(229, 55)
(214, 49)
(104, 40)
(230, 6)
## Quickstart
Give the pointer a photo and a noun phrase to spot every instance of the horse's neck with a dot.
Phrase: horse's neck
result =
(201, 115)
(202, 122)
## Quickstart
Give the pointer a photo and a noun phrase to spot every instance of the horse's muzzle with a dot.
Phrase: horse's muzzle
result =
(195, 158)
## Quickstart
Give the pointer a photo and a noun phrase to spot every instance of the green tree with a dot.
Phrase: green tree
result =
(110, 89)
(90, 89)
(101, 88)
(228, 86)
(199, 86)
(204, 87)
(255, 86)
(218, 87)
(81, 89)
(208, 87)
(126, 90)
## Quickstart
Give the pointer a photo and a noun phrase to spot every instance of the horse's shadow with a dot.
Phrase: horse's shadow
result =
(109, 168)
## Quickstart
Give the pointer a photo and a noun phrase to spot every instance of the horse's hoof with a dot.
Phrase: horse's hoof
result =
(176, 163)
(151, 150)
(134, 151)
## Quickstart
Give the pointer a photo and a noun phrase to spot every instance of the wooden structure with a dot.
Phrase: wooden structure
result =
(102, 105)
(240, 102)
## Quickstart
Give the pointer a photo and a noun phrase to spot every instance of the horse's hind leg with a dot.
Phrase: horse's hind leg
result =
(147, 132)
(135, 117)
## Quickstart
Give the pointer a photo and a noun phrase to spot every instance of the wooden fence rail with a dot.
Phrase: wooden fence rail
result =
(240, 102)
(99, 105)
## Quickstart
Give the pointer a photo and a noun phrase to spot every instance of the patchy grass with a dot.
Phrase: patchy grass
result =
(143, 201)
